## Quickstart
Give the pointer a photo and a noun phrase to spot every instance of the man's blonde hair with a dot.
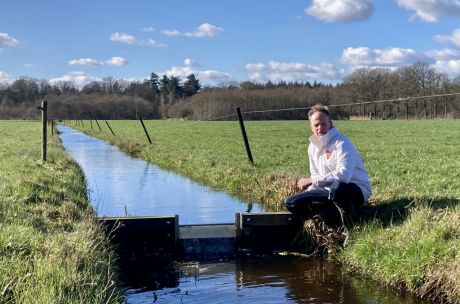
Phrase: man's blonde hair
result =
(319, 108)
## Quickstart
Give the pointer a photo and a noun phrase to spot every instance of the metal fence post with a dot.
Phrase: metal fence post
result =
(145, 130)
(100, 130)
(109, 128)
(245, 137)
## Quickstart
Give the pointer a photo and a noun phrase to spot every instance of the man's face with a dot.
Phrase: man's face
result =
(320, 123)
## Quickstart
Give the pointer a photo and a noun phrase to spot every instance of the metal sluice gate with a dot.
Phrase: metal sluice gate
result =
(139, 238)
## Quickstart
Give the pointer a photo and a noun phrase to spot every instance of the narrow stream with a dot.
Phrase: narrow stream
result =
(120, 185)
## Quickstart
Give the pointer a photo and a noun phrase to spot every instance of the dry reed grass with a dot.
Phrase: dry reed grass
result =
(275, 187)
(323, 239)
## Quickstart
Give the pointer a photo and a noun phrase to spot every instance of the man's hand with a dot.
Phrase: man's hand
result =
(304, 183)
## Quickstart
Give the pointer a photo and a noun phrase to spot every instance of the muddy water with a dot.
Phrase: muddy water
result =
(119, 185)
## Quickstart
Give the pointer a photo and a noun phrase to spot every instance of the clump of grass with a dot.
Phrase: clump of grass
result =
(131, 146)
(51, 248)
(276, 187)
(418, 255)
(443, 282)
(322, 239)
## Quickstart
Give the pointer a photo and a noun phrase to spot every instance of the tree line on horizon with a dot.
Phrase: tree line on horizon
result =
(378, 93)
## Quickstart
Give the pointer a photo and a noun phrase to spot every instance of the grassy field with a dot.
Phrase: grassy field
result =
(412, 237)
(51, 250)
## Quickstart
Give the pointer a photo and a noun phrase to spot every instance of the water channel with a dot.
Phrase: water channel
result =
(120, 185)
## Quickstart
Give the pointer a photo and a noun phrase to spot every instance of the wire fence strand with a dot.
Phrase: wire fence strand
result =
(399, 99)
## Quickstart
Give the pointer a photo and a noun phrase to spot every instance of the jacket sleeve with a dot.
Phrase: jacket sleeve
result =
(314, 173)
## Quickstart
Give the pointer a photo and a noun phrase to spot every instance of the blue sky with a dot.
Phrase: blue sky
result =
(224, 40)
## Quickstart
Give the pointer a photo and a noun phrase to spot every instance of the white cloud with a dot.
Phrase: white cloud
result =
(150, 42)
(189, 68)
(212, 75)
(79, 79)
(291, 71)
(454, 38)
(364, 56)
(444, 54)
(431, 10)
(444, 60)
(85, 61)
(450, 67)
(5, 78)
(135, 79)
(148, 29)
(171, 32)
(130, 39)
(6, 41)
(205, 30)
(289, 67)
(116, 61)
(123, 38)
(340, 10)
(255, 67)
(189, 62)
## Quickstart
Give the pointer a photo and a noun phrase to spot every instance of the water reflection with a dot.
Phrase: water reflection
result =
(119, 185)
(270, 279)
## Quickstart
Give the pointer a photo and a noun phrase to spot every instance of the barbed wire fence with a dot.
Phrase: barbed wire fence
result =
(369, 109)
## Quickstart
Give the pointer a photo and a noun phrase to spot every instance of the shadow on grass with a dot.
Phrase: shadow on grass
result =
(322, 236)
(396, 211)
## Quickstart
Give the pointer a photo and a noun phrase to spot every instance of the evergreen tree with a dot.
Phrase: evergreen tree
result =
(175, 89)
(191, 86)
(164, 85)
(154, 83)
(164, 90)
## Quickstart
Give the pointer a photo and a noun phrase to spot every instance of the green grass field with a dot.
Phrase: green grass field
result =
(413, 238)
(51, 249)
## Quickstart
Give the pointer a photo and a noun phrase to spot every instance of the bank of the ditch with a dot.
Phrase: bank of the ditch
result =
(411, 237)
(51, 249)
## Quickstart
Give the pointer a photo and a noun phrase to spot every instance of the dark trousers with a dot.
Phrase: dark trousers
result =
(322, 202)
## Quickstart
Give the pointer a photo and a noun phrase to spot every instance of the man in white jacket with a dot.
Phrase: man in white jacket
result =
(338, 179)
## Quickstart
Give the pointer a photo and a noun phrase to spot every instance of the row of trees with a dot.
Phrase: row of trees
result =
(160, 94)
(374, 93)
(377, 93)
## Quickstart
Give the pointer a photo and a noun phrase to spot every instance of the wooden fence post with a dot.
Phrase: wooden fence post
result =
(44, 109)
